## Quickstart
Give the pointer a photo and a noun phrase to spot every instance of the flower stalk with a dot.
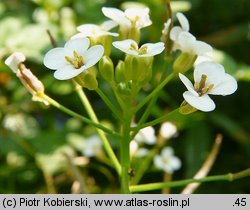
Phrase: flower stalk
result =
(160, 185)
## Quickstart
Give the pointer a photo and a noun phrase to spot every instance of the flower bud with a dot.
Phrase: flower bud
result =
(87, 79)
(184, 62)
(104, 40)
(120, 72)
(138, 69)
(31, 83)
(186, 108)
(106, 68)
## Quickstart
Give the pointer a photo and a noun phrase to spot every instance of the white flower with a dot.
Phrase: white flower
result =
(14, 60)
(130, 47)
(168, 130)
(131, 17)
(92, 146)
(92, 30)
(167, 161)
(72, 59)
(175, 31)
(210, 78)
(186, 42)
(146, 135)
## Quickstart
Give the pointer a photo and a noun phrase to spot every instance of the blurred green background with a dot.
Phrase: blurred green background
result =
(34, 139)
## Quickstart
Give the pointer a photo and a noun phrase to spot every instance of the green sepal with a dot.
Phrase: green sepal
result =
(184, 62)
(186, 108)
(87, 79)
(106, 68)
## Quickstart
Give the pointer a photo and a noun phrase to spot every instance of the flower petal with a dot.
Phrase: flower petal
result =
(201, 48)
(175, 163)
(215, 73)
(14, 60)
(78, 35)
(68, 72)
(167, 152)
(116, 15)
(108, 25)
(93, 55)
(186, 41)
(183, 21)
(79, 45)
(55, 58)
(203, 103)
(158, 162)
(174, 33)
(154, 49)
(139, 15)
(226, 87)
(125, 46)
(188, 84)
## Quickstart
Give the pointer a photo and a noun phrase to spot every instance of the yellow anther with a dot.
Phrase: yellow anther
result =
(77, 61)
(201, 87)
(143, 50)
(133, 47)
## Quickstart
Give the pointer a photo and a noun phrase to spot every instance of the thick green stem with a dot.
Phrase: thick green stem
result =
(102, 135)
(125, 155)
(157, 186)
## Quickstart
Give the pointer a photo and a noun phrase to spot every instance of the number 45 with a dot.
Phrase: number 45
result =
(241, 202)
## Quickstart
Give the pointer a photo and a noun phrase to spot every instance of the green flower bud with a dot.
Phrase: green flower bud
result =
(120, 72)
(106, 68)
(186, 108)
(105, 41)
(184, 62)
(138, 69)
(87, 79)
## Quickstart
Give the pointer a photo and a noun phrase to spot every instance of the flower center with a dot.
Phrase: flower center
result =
(143, 50)
(165, 161)
(201, 87)
(77, 61)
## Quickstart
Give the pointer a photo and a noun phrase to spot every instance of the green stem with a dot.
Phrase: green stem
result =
(157, 186)
(102, 135)
(156, 90)
(74, 114)
(109, 104)
(125, 154)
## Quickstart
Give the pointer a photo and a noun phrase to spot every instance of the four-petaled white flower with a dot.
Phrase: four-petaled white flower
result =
(175, 31)
(130, 47)
(131, 17)
(72, 59)
(167, 161)
(92, 146)
(146, 135)
(186, 42)
(14, 60)
(210, 78)
(93, 30)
